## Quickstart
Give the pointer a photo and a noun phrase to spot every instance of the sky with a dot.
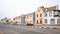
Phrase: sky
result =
(13, 8)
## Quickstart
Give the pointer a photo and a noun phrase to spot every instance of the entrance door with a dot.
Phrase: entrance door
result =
(52, 21)
(40, 21)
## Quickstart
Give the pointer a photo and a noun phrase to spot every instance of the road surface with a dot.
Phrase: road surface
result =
(17, 29)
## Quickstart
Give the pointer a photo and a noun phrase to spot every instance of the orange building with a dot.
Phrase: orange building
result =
(39, 16)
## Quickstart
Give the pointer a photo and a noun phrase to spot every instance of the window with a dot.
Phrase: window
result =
(45, 14)
(40, 15)
(41, 21)
(37, 15)
(37, 21)
(45, 20)
(56, 14)
(59, 13)
(50, 14)
(13, 19)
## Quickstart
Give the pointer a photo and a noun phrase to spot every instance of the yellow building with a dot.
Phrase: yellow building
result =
(39, 16)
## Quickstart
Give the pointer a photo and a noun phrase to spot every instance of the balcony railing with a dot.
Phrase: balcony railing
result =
(56, 14)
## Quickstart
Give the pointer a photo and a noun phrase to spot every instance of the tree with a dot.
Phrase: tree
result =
(7, 20)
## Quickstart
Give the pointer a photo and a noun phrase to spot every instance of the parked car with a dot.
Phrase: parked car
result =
(29, 24)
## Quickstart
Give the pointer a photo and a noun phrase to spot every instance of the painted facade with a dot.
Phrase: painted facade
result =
(30, 18)
(23, 20)
(3, 20)
(17, 20)
(51, 15)
(39, 16)
(6, 20)
(43, 15)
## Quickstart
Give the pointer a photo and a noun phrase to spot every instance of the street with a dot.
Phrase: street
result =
(17, 29)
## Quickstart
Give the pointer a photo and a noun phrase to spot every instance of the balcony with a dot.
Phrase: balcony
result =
(56, 14)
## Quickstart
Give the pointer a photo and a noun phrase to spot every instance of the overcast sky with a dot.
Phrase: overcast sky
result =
(13, 8)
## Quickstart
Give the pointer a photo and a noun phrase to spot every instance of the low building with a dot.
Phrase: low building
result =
(30, 18)
(9, 20)
(6, 20)
(52, 16)
(3, 21)
(39, 16)
(17, 20)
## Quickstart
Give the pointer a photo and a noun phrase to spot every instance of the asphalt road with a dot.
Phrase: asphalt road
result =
(17, 29)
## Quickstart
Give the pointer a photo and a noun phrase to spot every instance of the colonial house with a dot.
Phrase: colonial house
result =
(39, 16)
(6, 20)
(52, 15)
(30, 18)
(17, 20)
(3, 20)
(43, 15)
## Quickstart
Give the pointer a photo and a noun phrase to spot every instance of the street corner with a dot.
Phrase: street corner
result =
(1, 32)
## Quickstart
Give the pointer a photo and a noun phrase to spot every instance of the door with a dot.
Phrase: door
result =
(52, 21)
(58, 21)
(40, 21)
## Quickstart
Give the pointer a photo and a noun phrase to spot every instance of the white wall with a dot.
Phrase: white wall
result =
(32, 19)
(48, 18)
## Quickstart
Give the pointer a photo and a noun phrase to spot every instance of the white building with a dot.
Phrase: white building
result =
(52, 17)
(30, 18)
